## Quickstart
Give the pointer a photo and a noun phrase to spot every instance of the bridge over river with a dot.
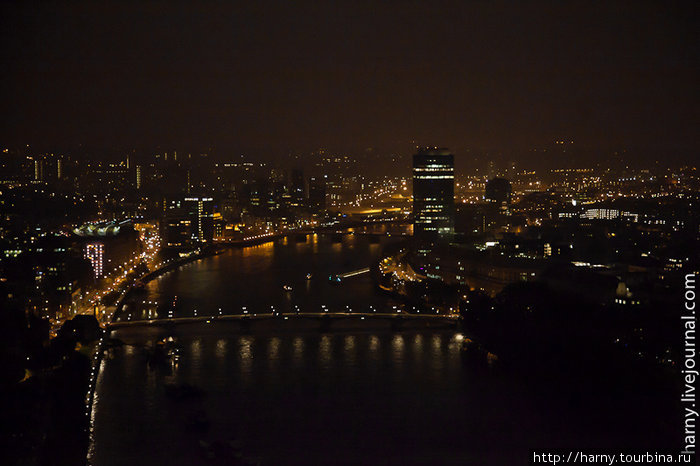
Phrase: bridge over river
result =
(321, 281)
(325, 319)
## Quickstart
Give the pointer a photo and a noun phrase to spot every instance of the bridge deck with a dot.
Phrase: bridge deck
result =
(283, 316)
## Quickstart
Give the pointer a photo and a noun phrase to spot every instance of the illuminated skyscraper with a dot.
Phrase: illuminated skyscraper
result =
(188, 222)
(94, 252)
(297, 188)
(38, 169)
(201, 213)
(433, 194)
(138, 176)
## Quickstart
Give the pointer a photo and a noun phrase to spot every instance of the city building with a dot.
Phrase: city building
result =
(38, 170)
(433, 194)
(201, 212)
(317, 194)
(297, 188)
(498, 190)
(138, 176)
(94, 252)
(104, 178)
(176, 226)
(487, 271)
(188, 222)
(108, 245)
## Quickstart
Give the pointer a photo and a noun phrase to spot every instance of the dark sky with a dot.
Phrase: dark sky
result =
(273, 77)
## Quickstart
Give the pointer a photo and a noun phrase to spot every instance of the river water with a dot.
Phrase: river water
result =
(286, 392)
(252, 278)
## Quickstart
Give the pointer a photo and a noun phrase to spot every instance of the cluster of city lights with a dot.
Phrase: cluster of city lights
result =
(94, 371)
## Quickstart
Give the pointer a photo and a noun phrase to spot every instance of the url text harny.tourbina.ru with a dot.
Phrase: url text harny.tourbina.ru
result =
(580, 457)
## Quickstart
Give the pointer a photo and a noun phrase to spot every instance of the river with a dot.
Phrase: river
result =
(286, 392)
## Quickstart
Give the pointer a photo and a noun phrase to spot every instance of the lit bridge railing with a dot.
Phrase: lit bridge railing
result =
(321, 315)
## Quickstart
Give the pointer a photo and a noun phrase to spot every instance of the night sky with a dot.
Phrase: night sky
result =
(292, 76)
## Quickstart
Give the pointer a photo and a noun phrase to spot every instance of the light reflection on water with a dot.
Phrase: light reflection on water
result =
(324, 351)
(268, 390)
(245, 355)
(436, 352)
(279, 393)
(273, 349)
(397, 345)
(298, 353)
(302, 397)
(418, 348)
(221, 348)
(349, 349)
(255, 276)
(373, 345)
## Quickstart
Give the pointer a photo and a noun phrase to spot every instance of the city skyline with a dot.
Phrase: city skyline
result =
(378, 232)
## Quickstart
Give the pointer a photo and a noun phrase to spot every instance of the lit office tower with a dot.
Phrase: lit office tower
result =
(138, 176)
(94, 252)
(201, 213)
(433, 194)
(38, 169)
(297, 188)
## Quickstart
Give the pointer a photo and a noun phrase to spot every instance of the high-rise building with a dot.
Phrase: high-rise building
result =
(433, 194)
(297, 188)
(230, 208)
(498, 191)
(109, 177)
(38, 169)
(317, 194)
(201, 211)
(138, 176)
(94, 252)
(176, 226)
(188, 222)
